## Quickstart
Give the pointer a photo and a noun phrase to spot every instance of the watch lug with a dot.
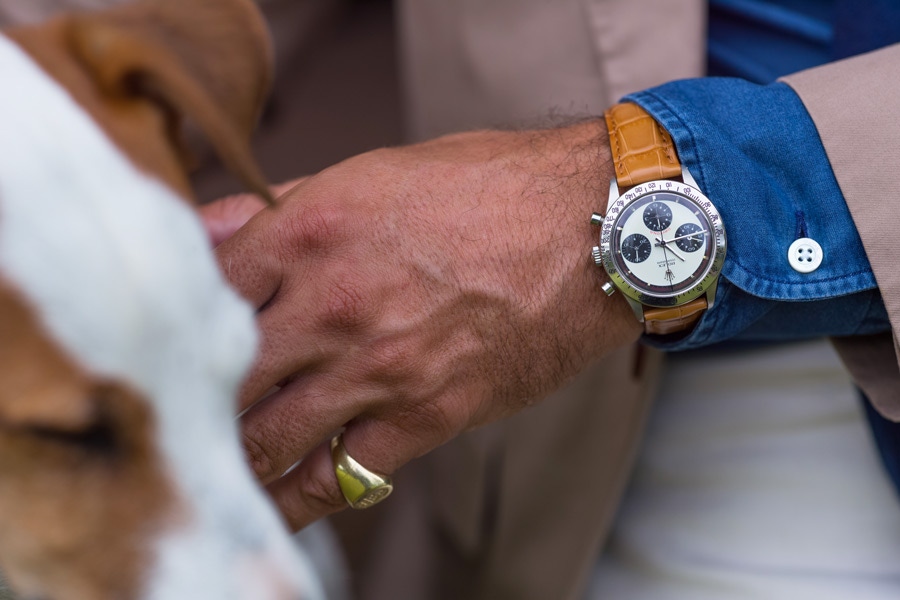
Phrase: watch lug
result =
(688, 178)
(637, 308)
(613, 192)
(711, 293)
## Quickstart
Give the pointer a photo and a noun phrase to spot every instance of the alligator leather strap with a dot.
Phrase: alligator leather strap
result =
(663, 321)
(643, 151)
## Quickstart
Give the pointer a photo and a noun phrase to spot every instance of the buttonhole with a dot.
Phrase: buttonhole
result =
(801, 224)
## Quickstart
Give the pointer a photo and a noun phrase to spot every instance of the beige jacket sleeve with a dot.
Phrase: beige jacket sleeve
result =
(855, 104)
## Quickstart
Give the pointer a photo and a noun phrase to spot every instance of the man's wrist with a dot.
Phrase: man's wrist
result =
(605, 318)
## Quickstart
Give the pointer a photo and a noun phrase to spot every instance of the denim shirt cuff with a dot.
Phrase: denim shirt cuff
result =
(755, 152)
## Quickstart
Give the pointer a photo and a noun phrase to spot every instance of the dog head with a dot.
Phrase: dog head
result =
(121, 346)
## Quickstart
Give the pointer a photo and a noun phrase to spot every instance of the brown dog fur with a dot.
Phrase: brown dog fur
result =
(81, 484)
(141, 69)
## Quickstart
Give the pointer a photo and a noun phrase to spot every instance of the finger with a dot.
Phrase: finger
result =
(312, 320)
(284, 351)
(311, 491)
(284, 241)
(315, 476)
(223, 217)
(287, 425)
(281, 189)
(250, 260)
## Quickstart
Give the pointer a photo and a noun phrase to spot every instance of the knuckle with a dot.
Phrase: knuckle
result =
(346, 307)
(393, 360)
(321, 492)
(314, 228)
(260, 461)
(427, 420)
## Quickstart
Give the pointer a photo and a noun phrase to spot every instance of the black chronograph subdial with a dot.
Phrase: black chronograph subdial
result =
(657, 216)
(636, 248)
(685, 239)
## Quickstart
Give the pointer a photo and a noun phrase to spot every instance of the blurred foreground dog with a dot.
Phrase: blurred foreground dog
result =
(121, 347)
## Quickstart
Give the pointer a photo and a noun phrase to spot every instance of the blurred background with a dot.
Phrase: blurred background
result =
(337, 90)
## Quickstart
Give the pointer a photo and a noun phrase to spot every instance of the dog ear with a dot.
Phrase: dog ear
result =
(208, 61)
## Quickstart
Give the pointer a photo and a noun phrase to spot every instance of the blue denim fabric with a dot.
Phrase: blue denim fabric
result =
(756, 154)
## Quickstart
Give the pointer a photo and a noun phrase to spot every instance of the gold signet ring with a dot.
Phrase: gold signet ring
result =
(361, 487)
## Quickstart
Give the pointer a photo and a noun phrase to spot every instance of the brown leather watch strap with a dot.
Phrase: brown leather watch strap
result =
(663, 321)
(641, 149)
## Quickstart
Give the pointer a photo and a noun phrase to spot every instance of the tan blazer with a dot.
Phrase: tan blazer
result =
(519, 510)
(854, 104)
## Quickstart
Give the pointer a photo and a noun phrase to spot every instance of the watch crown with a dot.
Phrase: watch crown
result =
(608, 288)
(597, 256)
(596, 219)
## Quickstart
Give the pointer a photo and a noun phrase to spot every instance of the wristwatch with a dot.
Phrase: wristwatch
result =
(662, 241)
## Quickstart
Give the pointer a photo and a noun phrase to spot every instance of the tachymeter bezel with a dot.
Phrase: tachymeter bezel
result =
(633, 289)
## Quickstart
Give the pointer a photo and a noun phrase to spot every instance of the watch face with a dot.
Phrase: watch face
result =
(663, 243)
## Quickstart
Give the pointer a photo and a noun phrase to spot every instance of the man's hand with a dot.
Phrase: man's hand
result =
(225, 216)
(413, 293)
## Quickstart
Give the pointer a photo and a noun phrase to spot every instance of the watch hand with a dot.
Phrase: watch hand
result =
(665, 246)
(670, 276)
(681, 237)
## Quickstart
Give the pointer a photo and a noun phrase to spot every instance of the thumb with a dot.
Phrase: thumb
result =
(223, 217)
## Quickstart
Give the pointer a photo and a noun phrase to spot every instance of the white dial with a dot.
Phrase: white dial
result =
(662, 243)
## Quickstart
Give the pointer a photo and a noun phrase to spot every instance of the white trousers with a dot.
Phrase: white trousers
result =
(758, 478)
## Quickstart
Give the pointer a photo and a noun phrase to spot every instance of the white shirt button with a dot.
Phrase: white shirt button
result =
(805, 255)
